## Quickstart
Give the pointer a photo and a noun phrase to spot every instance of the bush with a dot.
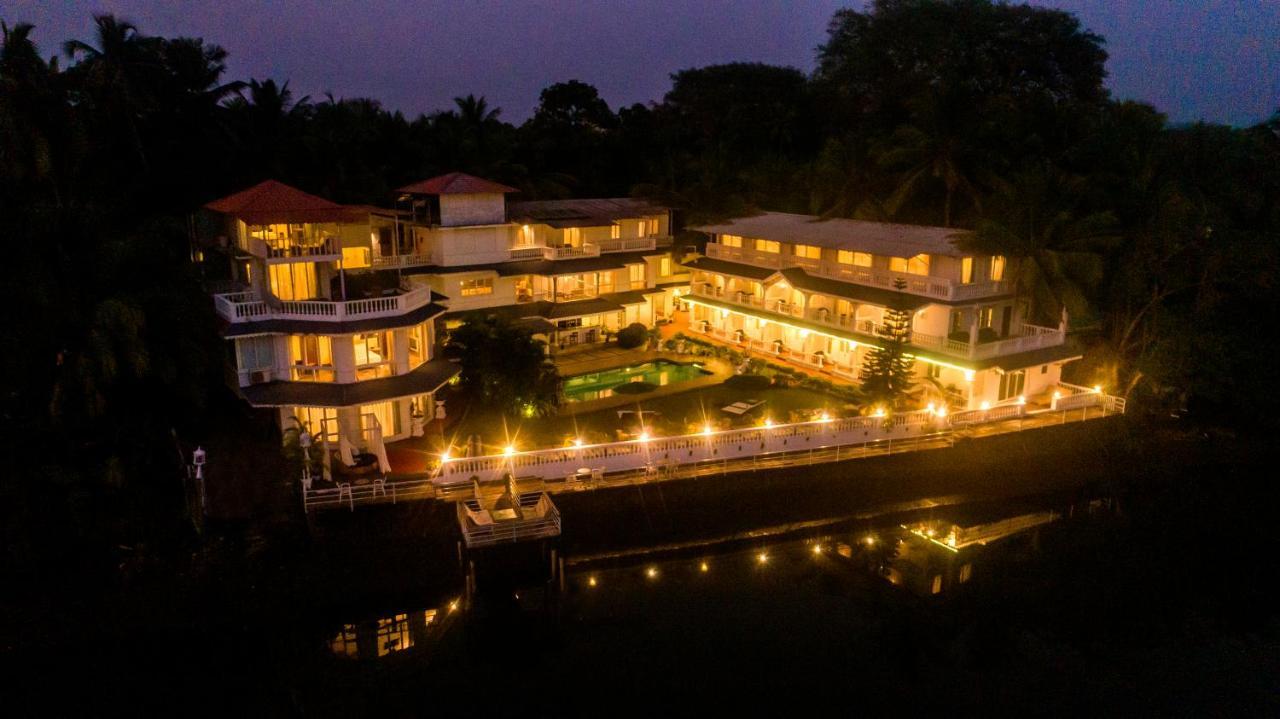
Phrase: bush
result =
(632, 336)
(754, 382)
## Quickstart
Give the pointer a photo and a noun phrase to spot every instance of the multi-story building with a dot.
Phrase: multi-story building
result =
(813, 291)
(335, 308)
(571, 270)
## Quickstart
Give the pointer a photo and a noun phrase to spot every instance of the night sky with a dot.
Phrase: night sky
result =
(1216, 60)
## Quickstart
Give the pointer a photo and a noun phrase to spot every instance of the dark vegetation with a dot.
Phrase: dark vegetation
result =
(1159, 240)
(632, 336)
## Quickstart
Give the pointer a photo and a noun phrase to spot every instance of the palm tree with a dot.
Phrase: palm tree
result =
(1057, 253)
(933, 150)
(120, 74)
(32, 111)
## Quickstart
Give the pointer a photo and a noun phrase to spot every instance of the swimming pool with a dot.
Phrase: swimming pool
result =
(598, 385)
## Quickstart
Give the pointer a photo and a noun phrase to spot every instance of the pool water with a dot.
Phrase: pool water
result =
(597, 385)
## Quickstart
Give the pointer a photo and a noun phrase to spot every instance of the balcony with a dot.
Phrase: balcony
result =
(633, 244)
(295, 249)
(926, 286)
(249, 307)
(1024, 338)
(543, 252)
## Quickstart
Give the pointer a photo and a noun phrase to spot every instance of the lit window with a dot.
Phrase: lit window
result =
(478, 286)
(355, 257)
(526, 235)
(997, 268)
(636, 274)
(615, 231)
(731, 240)
(767, 246)
(573, 236)
(373, 354)
(918, 265)
(311, 357)
(809, 252)
(966, 270)
(861, 259)
(293, 281)
(664, 266)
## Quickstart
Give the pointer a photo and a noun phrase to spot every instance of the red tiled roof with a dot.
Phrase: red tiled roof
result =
(271, 201)
(455, 183)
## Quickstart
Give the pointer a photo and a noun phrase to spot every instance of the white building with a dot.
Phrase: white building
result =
(812, 291)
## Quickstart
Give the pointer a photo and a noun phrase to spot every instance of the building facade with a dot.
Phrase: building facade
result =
(334, 312)
(813, 291)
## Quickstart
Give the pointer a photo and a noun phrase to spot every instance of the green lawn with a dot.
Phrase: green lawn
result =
(678, 414)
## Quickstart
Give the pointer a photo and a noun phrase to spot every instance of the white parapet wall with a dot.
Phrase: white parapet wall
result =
(710, 446)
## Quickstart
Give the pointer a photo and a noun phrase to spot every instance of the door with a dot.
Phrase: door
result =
(1006, 318)
(1012, 383)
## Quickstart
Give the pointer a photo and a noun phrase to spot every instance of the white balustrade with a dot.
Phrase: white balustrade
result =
(247, 307)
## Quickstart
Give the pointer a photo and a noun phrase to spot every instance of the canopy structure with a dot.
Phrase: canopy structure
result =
(456, 183)
(271, 201)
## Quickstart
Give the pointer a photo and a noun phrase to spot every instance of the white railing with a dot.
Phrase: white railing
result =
(286, 249)
(247, 307)
(539, 518)
(1032, 337)
(633, 244)
(937, 287)
(527, 252)
(587, 249)
(394, 261)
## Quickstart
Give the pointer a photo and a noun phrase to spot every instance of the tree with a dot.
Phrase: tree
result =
(886, 372)
(504, 367)
(573, 104)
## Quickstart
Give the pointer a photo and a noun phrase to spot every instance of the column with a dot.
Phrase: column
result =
(344, 359)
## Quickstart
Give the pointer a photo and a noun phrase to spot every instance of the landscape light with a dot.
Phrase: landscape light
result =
(651, 572)
(984, 406)
(1022, 399)
(644, 436)
(942, 412)
(706, 429)
(577, 442)
(703, 567)
(591, 582)
(1097, 388)
(817, 549)
(444, 456)
(762, 557)
(768, 422)
(870, 540)
(509, 450)
(825, 417)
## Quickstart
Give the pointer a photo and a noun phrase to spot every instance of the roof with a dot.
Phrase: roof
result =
(802, 280)
(456, 183)
(272, 201)
(579, 308)
(1064, 352)
(426, 378)
(608, 261)
(582, 213)
(880, 238)
(322, 327)
(724, 267)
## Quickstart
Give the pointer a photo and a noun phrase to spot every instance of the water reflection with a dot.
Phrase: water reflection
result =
(384, 636)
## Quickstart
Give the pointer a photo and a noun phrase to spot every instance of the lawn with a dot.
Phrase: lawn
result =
(676, 414)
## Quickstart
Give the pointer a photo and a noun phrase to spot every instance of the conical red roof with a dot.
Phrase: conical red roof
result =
(456, 183)
(272, 201)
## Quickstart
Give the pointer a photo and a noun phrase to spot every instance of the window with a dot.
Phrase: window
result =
(311, 357)
(344, 644)
(918, 265)
(373, 352)
(731, 240)
(957, 321)
(1044, 369)
(293, 281)
(615, 231)
(966, 270)
(318, 421)
(664, 267)
(1012, 383)
(934, 371)
(387, 415)
(573, 236)
(393, 634)
(809, 252)
(526, 235)
(476, 287)
(604, 282)
(767, 246)
(647, 228)
(255, 353)
(997, 268)
(986, 316)
(417, 345)
(861, 259)
(636, 274)
(355, 257)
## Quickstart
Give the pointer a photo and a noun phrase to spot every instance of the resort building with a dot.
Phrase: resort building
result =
(334, 310)
(572, 271)
(813, 291)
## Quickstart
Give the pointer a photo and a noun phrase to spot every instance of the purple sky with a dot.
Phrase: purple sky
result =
(1217, 60)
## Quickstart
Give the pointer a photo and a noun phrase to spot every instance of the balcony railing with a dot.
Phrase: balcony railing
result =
(249, 307)
(1026, 337)
(294, 249)
(632, 244)
(936, 287)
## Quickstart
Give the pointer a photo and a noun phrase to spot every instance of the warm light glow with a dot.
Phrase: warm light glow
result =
(444, 456)
(929, 409)
(1057, 395)
(825, 417)
(1097, 388)
(768, 422)
(762, 557)
(870, 540)
(985, 406)
(644, 436)
(929, 531)
(706, 429)
(941, 412)
(577, 442)
(591, 582)
(453, 606)
(509, 450)
(651, 572)
(817, 549)
(703, 567)
(968, 375)
(1022, 399)
(879, 412)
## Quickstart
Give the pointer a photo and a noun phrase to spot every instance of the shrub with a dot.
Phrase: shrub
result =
(632, 336)
(754, 382)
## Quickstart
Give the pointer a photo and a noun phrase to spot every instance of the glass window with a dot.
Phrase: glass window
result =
(997, 268)
(664, 267)
(479, 286)
(767, 246)
(636, 273)
(293, 281)
(966, 270)
(417, 345)
(809, 252)
(526, 235)
(615, 231)
(861, 259)
(387, 415)
(311, 357)
(355, 257)
(393, 634)
(573, 236)
(731, 240)
(373, 351)
(255, 353)
(318, 421)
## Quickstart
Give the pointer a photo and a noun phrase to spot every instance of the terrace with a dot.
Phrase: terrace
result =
(236, 307)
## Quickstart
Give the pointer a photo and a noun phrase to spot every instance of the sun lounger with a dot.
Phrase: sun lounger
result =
(741, 408)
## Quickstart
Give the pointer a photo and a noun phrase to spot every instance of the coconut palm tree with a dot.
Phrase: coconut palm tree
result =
(930, 152)
(1057, 253)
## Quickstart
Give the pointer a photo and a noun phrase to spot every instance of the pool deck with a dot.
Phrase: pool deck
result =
(606, 359)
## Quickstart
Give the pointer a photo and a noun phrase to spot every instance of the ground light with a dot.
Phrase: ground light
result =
(870, 540)
(644, 436)
(817, 549)
(509, 450)
(706, 429)
(703, 567)
(762, 557)
(651, 572)
(591, 581)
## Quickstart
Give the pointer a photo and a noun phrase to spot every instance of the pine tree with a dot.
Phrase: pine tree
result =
(886, 372)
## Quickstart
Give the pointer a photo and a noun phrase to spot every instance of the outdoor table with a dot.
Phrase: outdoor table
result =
(500, 515)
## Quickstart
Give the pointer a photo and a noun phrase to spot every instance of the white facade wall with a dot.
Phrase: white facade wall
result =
(473, 209)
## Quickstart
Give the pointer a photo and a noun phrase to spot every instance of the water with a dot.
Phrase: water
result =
(597, 385)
